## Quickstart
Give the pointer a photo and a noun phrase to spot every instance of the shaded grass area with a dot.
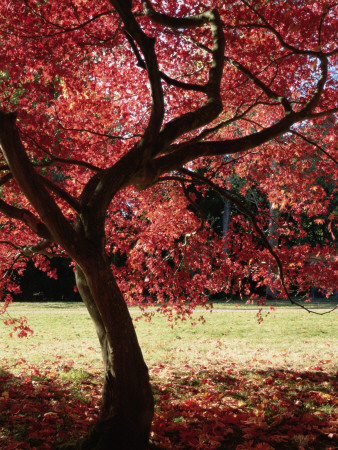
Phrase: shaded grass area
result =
(244, 409)
(230, 383)
(41, 409)
(210, 408)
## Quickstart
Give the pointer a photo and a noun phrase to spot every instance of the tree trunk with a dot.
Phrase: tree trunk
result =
(226, 220)
(271, 292)
(127, 402)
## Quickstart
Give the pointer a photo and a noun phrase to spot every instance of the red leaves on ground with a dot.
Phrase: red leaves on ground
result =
(206, 409)
(243, 410)
(39, 410)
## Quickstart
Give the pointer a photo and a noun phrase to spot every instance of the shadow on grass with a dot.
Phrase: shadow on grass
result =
(40, 410)
(215, 408)
(244, 409)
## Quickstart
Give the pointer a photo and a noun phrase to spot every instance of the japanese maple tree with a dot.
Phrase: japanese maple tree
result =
(114, 114)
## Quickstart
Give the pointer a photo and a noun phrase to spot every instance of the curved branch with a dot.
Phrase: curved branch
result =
(61, 193)
(313, 101)
(63, 29)
(309, 141)
(209, 111)
(320, 86)
(139, 166)
(219, 126)
(246, 210)
(280, 38)
(147, 47)
(320, 114)
(69, 161)
(176, 23)
(40, 247)
(95, 133)
(165, 77)
(265, 88)
(16, 247)
(25, 216)
(33, 249)
(181, 154)
(32, 185)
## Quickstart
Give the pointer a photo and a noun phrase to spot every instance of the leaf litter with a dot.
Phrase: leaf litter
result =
(205, 407)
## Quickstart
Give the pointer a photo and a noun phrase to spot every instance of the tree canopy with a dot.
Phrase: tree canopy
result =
(118, 116)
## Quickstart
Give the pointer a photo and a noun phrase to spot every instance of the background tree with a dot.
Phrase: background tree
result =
(109, 111)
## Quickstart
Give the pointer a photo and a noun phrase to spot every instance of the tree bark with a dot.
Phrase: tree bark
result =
(270, 291)
(226, 220)
(127, 402)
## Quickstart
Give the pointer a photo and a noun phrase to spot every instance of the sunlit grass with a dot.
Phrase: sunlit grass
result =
(64, 334)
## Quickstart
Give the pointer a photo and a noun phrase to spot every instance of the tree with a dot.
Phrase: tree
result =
(109, 111)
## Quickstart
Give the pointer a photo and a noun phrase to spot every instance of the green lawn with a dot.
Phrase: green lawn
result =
(285, 338)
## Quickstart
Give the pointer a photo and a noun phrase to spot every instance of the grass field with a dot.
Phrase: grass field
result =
(285, 338)
(230, 367)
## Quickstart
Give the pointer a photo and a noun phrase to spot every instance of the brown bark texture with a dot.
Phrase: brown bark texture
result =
(127, 402)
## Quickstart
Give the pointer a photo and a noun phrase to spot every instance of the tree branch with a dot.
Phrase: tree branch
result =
(320, 86)
(40, 247)
(166, 78)
(62, 193)
(280, 38)
(69, 161)
(25, 216)
(320, 114)
(315, 144)
(181, 154)
(30, 250)
(209, 111)
(266, 89)
(95, 133)
(246, 210)
(211, 131)
(147, 47)
(141, 169)
(32, 185)
(62, 29)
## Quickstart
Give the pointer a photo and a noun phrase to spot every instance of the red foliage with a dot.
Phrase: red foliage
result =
(70, 75)
(19, 326)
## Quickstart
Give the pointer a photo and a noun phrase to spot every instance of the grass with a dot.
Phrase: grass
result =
(285, 338)
(229, 383)
(237, 304)
(46, 306)
(315, 303)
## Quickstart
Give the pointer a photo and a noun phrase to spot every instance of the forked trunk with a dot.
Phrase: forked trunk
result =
(127, 401)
